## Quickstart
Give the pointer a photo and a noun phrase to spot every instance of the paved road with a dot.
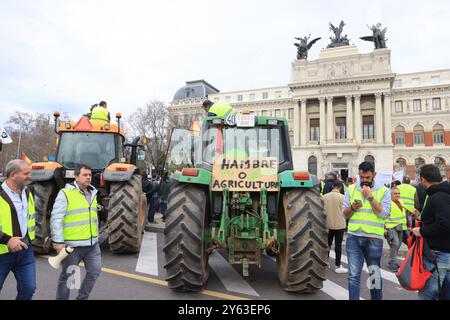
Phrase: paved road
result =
(141, 276)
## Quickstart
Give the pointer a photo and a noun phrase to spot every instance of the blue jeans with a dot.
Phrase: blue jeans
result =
(163, 208)
(430, 291)
(69, 277)
(358, 250)
(152, 208)
(23, 266)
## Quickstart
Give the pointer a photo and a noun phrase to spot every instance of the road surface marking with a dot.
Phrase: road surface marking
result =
(385, 274)
(160, 282)
(148, 254)
(329, 287)
(229, 277)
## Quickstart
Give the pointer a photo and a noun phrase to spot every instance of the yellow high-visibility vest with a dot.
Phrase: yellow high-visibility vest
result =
(407, 195)
(364, 218)
(6, 220)
(222, 109)
(81, 220)
(397, 217)
(99, 115)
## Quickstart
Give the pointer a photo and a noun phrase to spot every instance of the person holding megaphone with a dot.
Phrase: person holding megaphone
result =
(74, 230)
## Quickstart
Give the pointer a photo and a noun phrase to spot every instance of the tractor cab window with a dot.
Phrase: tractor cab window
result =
(182, 150)
(96, 150)
(233, 142)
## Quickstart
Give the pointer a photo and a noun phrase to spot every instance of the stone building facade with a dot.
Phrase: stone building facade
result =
(346, 107)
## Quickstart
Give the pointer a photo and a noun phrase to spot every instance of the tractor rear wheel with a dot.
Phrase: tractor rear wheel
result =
(186, 257)
(127, 215)
(44, 197)
(303, 259)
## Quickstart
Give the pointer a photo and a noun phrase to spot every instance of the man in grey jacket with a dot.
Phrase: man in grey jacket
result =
(74, 223)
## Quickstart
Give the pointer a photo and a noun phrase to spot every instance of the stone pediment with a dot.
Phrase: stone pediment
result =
(342, 63)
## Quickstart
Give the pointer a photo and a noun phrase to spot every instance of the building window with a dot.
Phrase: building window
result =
(368, 127)
(418, 135)
(314, 130)
(397, 83)
(291, 114)
(252, 96)
(216, 99)
(438, 134)
(264, 113)
(435, 80)
(312, 165)
(341, 133)
(290, 93)
(227, 98)
(436, 103)
(400, 135)
(417, 105)
(441, 164)
(278, 113)
(419, 163)
(239, 98)
(265, 95)
(401, 164)
(416, 82)
(398, 106)
(278, 94)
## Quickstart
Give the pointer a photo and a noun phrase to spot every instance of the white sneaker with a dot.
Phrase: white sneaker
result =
(340, 270)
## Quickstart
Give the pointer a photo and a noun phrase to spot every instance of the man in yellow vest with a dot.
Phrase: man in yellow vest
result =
(100, 114)
(218, 109)
(410, 200)
(74, 223)
(394, 228)
(367, 205)
(17, 223)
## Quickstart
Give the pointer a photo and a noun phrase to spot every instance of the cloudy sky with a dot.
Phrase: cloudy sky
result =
(67, 55)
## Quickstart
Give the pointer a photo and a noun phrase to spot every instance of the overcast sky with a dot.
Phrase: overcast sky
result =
(67, 55)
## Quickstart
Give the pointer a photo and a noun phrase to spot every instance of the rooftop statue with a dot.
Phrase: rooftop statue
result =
(303, 46)
(338, 40)
(378, 37)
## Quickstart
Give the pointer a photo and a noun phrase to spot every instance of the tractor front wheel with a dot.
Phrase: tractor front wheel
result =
(186, 257)
(44, 197)
(303, 259)
(126, 215)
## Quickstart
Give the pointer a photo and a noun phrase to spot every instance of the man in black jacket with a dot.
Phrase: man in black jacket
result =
(436, 231)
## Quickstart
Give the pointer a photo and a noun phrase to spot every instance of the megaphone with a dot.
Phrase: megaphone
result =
(55, 261)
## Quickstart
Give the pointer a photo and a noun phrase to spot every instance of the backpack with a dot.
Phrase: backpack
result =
(412, 274)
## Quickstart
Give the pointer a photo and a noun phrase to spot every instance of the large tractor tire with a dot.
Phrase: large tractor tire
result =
(44, 197)
(186, 257)
(127, 215)
(303, 259)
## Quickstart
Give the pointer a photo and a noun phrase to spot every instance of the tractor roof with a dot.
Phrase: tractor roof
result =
(84, 125)
(259, 120)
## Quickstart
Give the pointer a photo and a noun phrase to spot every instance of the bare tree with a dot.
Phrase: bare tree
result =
(35, 134)
(152, 122)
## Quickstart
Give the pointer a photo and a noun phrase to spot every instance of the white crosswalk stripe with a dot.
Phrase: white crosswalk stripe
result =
(384, 274)
(148, 254)
(229, 277)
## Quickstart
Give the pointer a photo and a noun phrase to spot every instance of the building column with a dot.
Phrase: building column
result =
(349, 118)
(296, 124)
(330, 119)
(378, 118)
(322, 123)
(303, 123)
(387, 118)
(358, 119)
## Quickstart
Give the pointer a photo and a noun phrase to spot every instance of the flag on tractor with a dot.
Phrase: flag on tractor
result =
(26, 159)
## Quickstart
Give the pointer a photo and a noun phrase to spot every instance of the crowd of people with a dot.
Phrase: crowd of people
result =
(367, 213)
(157, 190)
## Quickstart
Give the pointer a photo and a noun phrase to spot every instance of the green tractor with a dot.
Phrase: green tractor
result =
(234, 188)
